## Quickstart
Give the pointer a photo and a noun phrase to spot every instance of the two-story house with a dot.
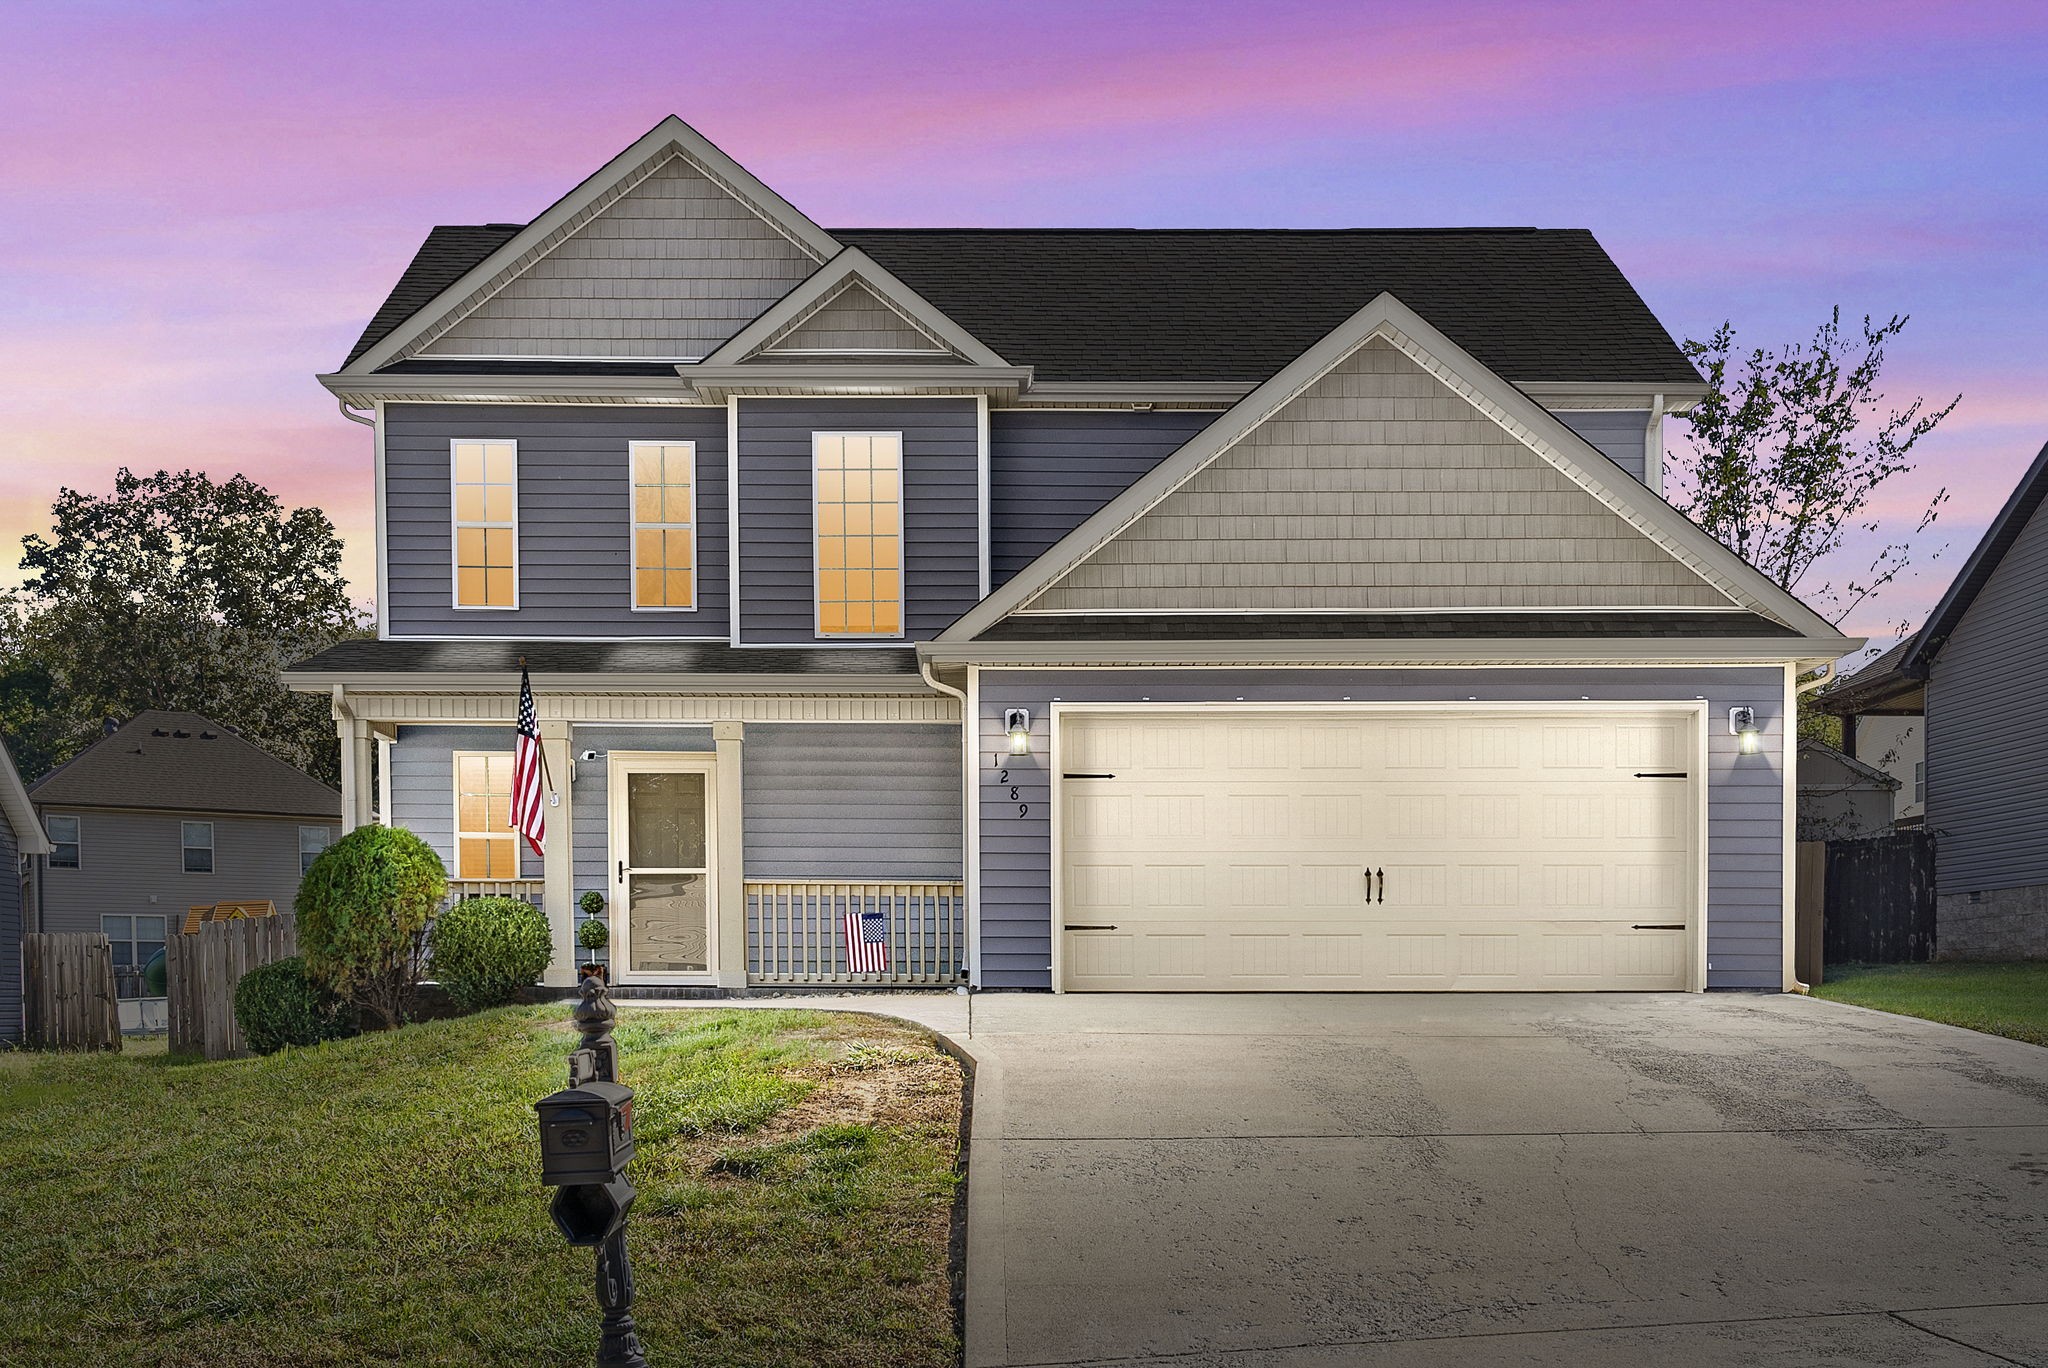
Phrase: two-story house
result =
(1110, 609)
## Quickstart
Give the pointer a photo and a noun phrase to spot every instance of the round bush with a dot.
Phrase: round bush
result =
(487, 949)
(279, 1004)
(592, 902)
(363, 911)
(593, 935)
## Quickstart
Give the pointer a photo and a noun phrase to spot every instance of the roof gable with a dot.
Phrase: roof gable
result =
(2020, 509)
(680, 243)
(183, 762)
(19, 811)
(852, 309)
(1376, 377)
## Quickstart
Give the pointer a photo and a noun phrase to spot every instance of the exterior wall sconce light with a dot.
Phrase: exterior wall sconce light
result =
(1742, 726)
(1017, 722)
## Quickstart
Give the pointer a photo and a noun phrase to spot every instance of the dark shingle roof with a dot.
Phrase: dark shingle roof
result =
(603, 657)
(2020, 508)
(1226, 304)
(1376, 626)
(182, 762)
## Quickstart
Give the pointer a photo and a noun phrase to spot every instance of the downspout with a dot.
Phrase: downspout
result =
(352, 415)
(967, 835)
(1653, 447)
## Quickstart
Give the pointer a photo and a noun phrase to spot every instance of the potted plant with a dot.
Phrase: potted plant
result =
(592, 935)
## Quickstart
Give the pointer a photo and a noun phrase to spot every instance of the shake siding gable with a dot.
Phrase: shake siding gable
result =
(1378, 489)
(1987, 729)
(668, 270)
(855, 320)
(940, 512)
(575, 540)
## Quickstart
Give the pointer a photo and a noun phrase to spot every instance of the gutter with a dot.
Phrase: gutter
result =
(672, 682)
(1805, 651)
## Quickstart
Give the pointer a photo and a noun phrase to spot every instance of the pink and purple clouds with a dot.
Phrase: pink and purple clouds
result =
(202, 203)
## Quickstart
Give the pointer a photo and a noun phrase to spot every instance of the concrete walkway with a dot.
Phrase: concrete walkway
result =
(1308, 1181)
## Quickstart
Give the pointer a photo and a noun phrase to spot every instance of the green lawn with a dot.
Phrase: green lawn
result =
(2003, 999)
(377, 1201)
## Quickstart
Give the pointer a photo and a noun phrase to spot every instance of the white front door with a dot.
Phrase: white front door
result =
(1481, 849)
(663, 843)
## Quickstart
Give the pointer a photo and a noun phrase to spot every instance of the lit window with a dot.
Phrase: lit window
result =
(313, 840)
(63, 833)
(859, 517)
(486, 525)
(664, 524)
(197, 839)
(485, 846)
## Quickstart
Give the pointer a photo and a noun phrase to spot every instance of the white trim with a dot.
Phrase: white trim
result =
(579, 360)
(970, 740)
(732, 521)
(902, 549)
(184, 845)
(456, 525)
(381, 517)
(1386, 317)
(1356, 612)
(1701, 782)
(634, 527)
(1223, 655)
(869, 380)
(669, 138)
(456, 830)
(852, 351)
(839, 274)
(981, 493)
(618, 765)
(1788, 881)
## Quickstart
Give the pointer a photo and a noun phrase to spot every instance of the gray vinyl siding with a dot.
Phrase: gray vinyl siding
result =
(873, 801)
(133, 862)
(422, 785)
(590, 797)
(1050, 471)
(575, 534)
(1617, 434)
(941, 561)
(1745, 798)
(11, 927)
(1987, 729)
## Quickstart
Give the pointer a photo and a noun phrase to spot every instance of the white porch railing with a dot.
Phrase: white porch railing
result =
(527, 889)
(794, 935)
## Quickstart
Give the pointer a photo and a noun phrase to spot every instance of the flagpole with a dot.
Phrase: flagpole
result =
(545, 774)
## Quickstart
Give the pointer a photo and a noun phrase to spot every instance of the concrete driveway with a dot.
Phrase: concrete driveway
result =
(1310, 1181)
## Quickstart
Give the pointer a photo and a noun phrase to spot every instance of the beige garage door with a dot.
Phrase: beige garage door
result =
(1487, 850)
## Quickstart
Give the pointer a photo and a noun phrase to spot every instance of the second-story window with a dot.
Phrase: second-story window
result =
(63, 833)
(486, 524)
(664, 525)
(197, 839)
(859, 519)
(313, 840)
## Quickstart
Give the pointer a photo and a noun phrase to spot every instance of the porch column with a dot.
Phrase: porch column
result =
(558, 865)
(352, 778)
(359, 742)
(732, 894)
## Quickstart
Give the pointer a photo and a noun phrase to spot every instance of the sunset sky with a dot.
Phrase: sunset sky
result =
(200, 204)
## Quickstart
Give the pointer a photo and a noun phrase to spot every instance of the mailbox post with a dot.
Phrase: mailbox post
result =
(586, 1141)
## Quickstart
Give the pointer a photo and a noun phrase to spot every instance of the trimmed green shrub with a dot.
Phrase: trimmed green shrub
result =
(592, 902)
(593, 935)
(280, 1004)
(487, 949)
(363, 910)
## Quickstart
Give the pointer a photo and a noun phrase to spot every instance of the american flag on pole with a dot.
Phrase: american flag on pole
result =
(529, 817)
(867, 940)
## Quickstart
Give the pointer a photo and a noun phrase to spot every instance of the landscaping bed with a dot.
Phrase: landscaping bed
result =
(2001, 999)
(376, 1200)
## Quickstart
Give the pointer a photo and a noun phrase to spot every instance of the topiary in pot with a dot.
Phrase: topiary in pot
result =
(487, 949)
(591, 903)
(280, 1004)
(363, 910)
(593, 935)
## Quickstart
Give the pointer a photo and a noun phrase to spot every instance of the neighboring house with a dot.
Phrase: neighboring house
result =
(1196, 610)
(1977, 673)
(1840, 797)
(168, 811)
(1884, 725)
(21, 840)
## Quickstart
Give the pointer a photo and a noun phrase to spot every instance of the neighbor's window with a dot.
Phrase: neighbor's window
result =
(63, 834)
(859, 517)
(1919, 781)
(486, 524)
(136, 941)
(664, 524)
(197, 839)
(313, 840)
(485, 846)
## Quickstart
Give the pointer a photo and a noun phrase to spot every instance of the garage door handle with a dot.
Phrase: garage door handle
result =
(1662, 774)
(1368, 886)
(1087, 776)
(1657, 926)
(1110, 927)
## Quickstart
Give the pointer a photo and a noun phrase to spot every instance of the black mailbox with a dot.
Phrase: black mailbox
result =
(586, 1134)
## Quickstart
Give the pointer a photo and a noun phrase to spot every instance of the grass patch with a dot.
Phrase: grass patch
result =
(2000, 999)
(376, 1200)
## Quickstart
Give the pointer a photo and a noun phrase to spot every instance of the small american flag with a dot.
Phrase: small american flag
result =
(867, 941)
(529, 817)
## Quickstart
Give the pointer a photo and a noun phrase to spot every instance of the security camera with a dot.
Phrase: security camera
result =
(587, 755)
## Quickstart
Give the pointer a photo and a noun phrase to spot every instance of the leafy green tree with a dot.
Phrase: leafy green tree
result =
(173, 591)
(363, 911)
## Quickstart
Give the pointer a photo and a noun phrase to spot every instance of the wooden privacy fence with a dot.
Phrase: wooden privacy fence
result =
(1879, 900)
(202, 970)
(68, 997)
(795, 937)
